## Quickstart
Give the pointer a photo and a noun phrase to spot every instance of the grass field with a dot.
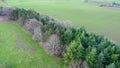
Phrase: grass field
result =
(101, 20)
(18, 50)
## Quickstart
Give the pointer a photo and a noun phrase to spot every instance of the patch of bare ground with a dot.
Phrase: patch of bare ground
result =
(6, 19)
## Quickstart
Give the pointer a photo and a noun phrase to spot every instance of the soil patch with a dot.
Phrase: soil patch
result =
(6, 19)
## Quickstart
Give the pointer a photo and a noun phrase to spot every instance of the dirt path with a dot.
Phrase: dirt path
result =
(6, 19)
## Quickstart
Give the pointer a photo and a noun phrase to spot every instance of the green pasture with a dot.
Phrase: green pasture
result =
(101, 20)
(18, 50)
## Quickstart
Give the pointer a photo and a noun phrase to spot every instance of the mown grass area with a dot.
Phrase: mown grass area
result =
(101, 20)
(18, 50)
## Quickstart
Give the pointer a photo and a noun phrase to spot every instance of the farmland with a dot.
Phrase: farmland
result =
(101, 20)
(19, 50)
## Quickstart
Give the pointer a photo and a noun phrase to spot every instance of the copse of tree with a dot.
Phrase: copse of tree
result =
(97, 51)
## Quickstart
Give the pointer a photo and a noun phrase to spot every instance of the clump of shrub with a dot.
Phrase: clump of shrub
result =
(48, 27)
(25, 14)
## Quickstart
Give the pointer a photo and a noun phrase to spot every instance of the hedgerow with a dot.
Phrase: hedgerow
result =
(96, 50)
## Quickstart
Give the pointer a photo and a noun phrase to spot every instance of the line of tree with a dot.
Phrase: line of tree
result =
(96, 50)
